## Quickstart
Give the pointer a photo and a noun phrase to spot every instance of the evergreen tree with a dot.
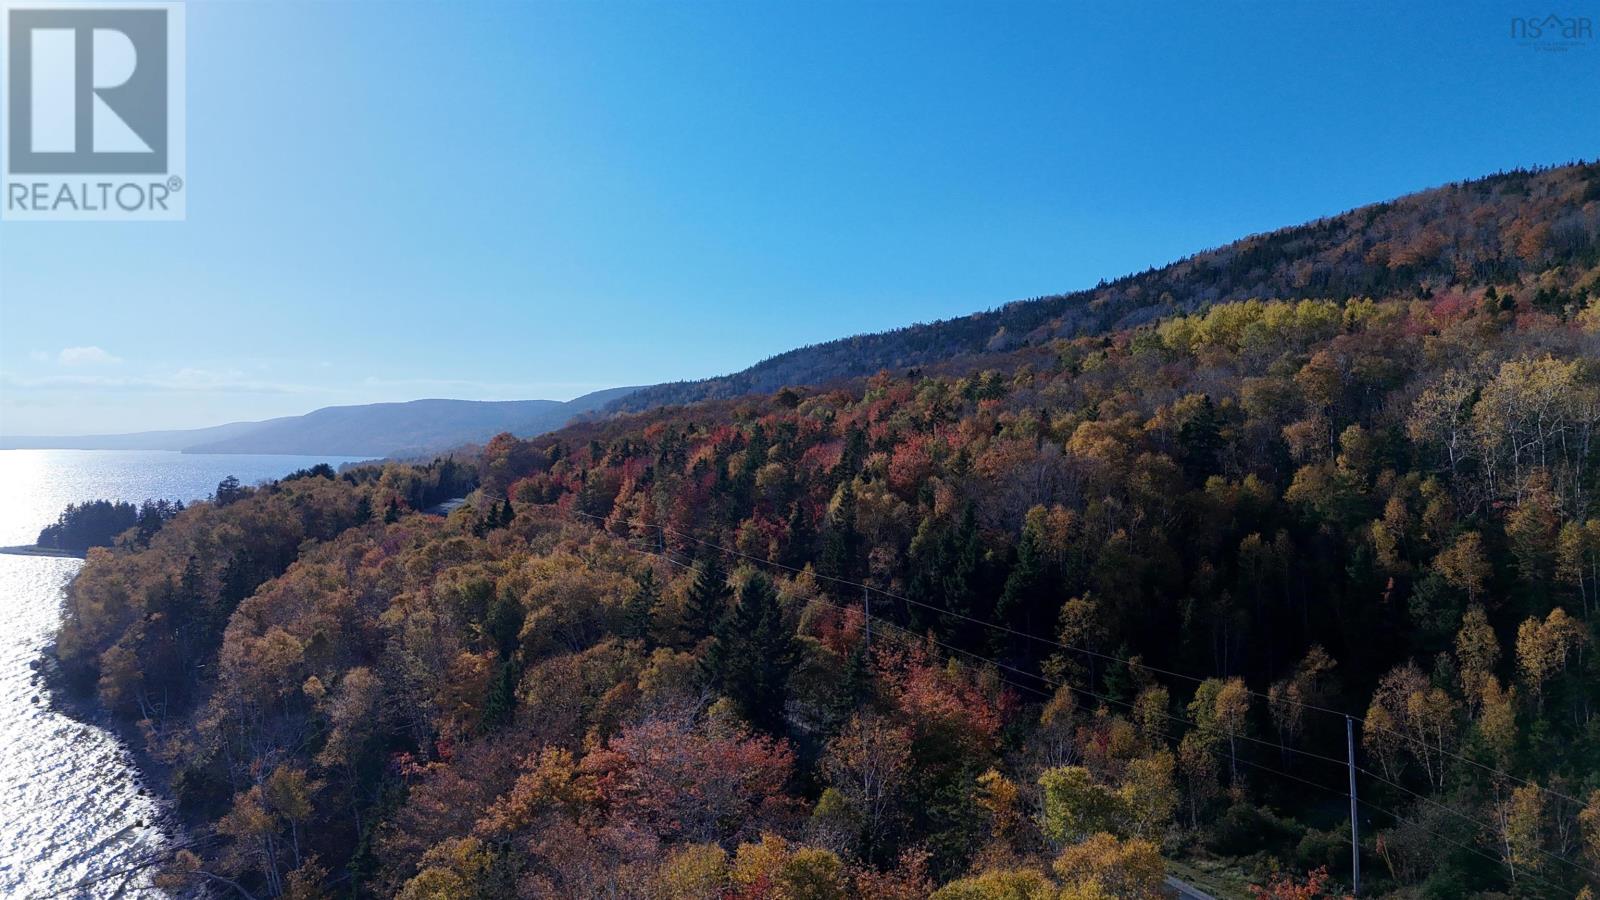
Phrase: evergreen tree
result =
(1024, 603)
(752, 656)
(707, 603)
(754, 457)
(852, 456)
(238, 580)
(853, 687)
(945, 573)
(500, 705)
(798, 548)
(228, 491)
(504, 623)
(638, 610)
(500, 515)
(1120, 680)
(841, 544)
(191, 586)
(153, 514)
(1199, 440)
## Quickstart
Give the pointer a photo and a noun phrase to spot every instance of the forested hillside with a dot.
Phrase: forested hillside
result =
(1501, 228)
(1021, 625)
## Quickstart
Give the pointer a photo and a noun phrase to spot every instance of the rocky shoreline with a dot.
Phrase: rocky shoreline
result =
(151, 777)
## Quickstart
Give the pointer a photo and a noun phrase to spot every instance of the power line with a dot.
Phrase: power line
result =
(1054, 683)
(839, 606)
(1365, 724)
(1396, 816)
(976, 621)
(917, 640)
(1467, 847)
(1470, 820)
(911, 636)
(1472, 762)
(971, 654)
(899, 631)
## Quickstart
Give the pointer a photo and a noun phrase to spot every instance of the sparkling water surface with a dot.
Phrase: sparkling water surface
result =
(75, 820)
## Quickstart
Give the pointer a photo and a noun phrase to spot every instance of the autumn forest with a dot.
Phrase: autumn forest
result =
(1052, 602)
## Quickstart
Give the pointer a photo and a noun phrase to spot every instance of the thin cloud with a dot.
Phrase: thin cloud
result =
(520, 390)
(187, 381)
(86, 356)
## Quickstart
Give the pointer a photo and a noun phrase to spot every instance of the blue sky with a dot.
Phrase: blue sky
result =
(490, 200)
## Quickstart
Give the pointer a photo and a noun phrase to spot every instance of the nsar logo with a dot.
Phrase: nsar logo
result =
(1553, 32)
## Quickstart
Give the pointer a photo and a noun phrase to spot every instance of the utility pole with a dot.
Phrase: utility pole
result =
(866, 609)
(1355, 828)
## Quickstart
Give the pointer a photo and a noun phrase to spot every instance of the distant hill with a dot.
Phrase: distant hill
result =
(142, 440)
(1490, 230)
(415, 428)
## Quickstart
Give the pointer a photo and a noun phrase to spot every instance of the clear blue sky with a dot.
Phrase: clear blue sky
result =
(509, 200)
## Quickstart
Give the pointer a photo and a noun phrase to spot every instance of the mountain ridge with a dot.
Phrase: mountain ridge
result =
(1415, 242)
(1491, 229)
(396, 429)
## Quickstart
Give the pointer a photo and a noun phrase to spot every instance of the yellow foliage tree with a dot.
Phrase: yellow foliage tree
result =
(1543, 648)
(1477, 651)
(1465, 565)
(1519, 822)
(1131, 869)
(693, 872)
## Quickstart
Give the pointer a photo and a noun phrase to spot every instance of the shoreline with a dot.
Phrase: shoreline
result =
(36, 550)
(150, 776)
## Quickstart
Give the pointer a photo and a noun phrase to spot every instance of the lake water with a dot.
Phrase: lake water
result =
(74, 819)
